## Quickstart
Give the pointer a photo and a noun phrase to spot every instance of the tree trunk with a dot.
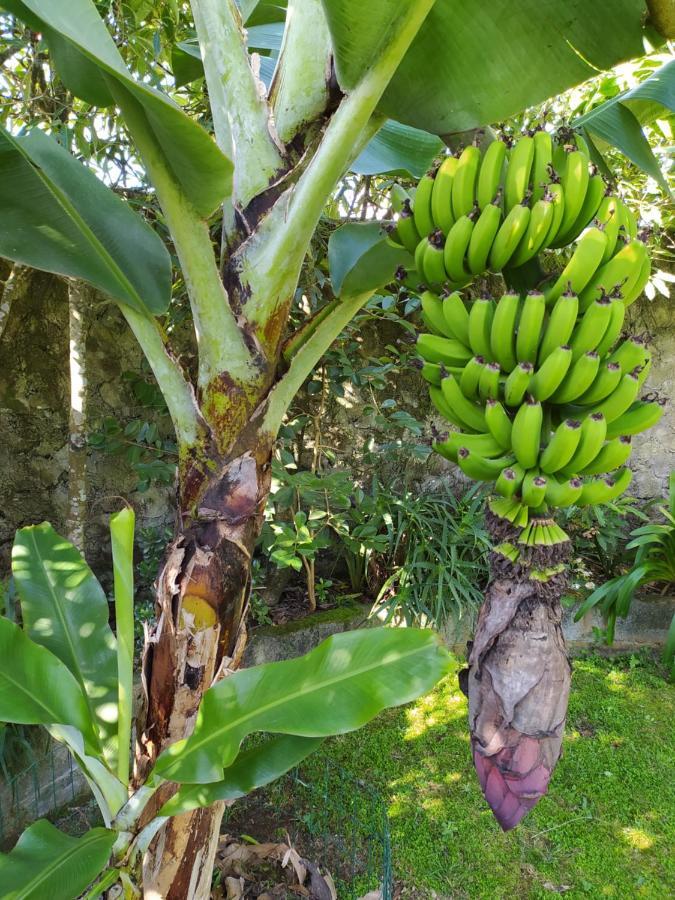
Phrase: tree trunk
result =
(518, 684)
(202, 592)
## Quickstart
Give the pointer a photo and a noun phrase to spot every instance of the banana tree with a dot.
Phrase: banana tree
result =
(67, 671)
(344, 69)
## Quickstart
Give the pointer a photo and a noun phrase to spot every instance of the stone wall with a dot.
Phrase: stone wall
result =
(34, 413)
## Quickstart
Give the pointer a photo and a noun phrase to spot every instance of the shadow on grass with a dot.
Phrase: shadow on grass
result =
(606, 829)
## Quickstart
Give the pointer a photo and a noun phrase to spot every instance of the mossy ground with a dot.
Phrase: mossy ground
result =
(606, 829)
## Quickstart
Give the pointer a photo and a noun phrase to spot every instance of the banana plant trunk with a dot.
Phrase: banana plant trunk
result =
(202, 592)
(518, 684)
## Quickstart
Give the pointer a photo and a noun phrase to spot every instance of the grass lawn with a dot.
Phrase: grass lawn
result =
(606, 829)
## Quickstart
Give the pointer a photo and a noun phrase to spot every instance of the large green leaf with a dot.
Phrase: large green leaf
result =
(338, 687)
(37, 689)
(91, 66)
(360, 258)
(122, 541)
(251, 769)
(65, 609)
(473, 64)
(618, 122)
(45, 863)
(56, 215)
(398, 150)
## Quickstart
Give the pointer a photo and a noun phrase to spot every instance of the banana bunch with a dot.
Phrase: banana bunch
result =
(543, 399)
(489, 211)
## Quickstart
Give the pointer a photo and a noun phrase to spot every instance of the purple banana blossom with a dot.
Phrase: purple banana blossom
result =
(518, 687)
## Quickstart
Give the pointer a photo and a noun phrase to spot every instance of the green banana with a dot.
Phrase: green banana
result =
(482, 444)
(574, 179)
(634, 288)
(592, 201)
(432, 259)
(456, 245)
(563, 493)
(534, 238)
(557, 195)
(616, 320)
(643, 372)
(591, 439)
(432, 307)
(581, 143)
(406, 230)
(518, 170)
(431, 372)
(612, 455)
(608, 217)
(604, 490)
(510, 480)
(543, 159)
(628, 221)
(441, 405)
(517, 383)
(526, 433)
(560, 324)
(441, 194)
(466, 411)
(502, 335)
(508, 237)
(638, 417)
(421, 206)
(483, 235)
(437, 349)
(529, 327)
(548, 377)
(562, 447)
(398, 197)
(490, 175)
(464, 184)
(592, 327)
(470, 377)
(582, 266)
(533, 489)
(478, 467)
(480, 326)
(498, 422)
(620, 399)
(606, 381)
(622, 271)
(579, 378)
(420, 250)
(488, 384)
(456, 317)
(630, 354)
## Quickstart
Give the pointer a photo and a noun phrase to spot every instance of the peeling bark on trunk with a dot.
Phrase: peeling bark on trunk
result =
(518, 686)
(202, 592)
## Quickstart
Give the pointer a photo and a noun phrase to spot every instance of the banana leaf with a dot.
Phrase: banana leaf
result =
(251, 769)
(338, 687)
(47, 863)
(57, 216)
(65, 609)
(475, 64)
(90, 65)
(360, 258)
(398, 150)
(36, 688)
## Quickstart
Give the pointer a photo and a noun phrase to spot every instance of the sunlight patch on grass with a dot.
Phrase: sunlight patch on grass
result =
(637, 838)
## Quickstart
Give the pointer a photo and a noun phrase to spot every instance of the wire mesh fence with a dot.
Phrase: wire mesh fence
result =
(49, 782)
